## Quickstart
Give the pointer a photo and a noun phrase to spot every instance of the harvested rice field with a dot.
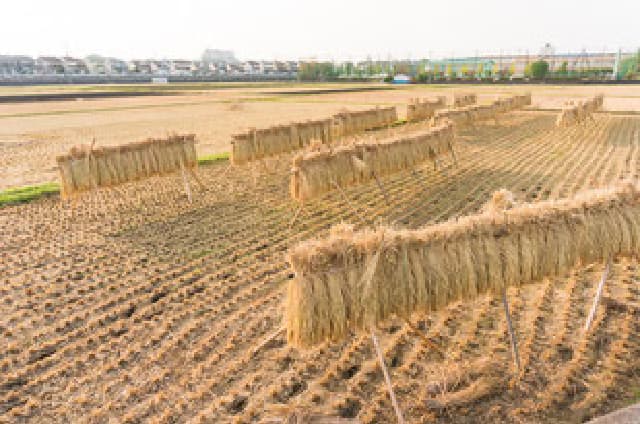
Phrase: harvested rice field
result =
(133, 305)
(32, 134)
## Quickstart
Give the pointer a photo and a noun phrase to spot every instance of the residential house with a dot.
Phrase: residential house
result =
(74, 66)
(267, 67)
(181, 67)
(251, 67)
(16, 65)
(140, 67)
(47, 65)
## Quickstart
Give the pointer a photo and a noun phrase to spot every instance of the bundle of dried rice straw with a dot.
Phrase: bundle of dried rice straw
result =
(466, 115)
(315, 173)
(353, 280)
(575, 113)
(464, 99)
(85, 168)
(419, 110)
(260, 143)
(348, 123)
(257, 144)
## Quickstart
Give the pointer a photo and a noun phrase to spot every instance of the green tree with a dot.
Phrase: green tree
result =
(539, 69)
(496, 70)
(464, 71)
(451, 73)
(436, 71)
(563, 70)
(317, 71)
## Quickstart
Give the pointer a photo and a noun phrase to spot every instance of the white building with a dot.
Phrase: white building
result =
(140, 67)
(16, 65)
(181, 67)
(99, 65)
(74, 66)
(47, 65)
(267, 67)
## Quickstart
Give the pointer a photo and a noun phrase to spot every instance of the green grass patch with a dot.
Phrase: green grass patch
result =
(17, 195)
(216, 157)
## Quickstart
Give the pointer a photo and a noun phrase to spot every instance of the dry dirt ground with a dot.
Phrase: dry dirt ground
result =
(134, 306)
(33, 134)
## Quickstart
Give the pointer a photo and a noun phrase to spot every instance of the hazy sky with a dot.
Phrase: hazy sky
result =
(327, 29)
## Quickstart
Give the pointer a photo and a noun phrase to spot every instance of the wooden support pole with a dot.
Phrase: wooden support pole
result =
(267, 340)
(441, 168)
(453, 153)
(197, 178)
(185, 180)
(596, 299)
(512, 335)
(392, 395)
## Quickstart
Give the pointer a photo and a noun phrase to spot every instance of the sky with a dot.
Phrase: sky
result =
(328, 29)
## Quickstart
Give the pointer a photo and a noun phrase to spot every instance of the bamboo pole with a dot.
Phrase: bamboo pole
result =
(267, 340)
(453, 153)
(185, 180)
(392, 394)
(197, 178)
(597, 297)
(512, 335)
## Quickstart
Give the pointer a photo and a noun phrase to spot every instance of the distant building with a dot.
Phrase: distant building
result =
(268, 67)
(16, 65)
(218, 56)
(234, 68)
(99, 65)
(48, 65)
(181, 67)
(160, 67)
(74, 66)
(251, 67)
(96, 64)
(140, 67)
(281, 67)
(116, 66)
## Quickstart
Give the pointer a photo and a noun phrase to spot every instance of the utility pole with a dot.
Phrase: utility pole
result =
(616, 65)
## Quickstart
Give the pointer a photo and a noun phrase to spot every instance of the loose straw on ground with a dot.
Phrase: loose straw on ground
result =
(429, 268)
